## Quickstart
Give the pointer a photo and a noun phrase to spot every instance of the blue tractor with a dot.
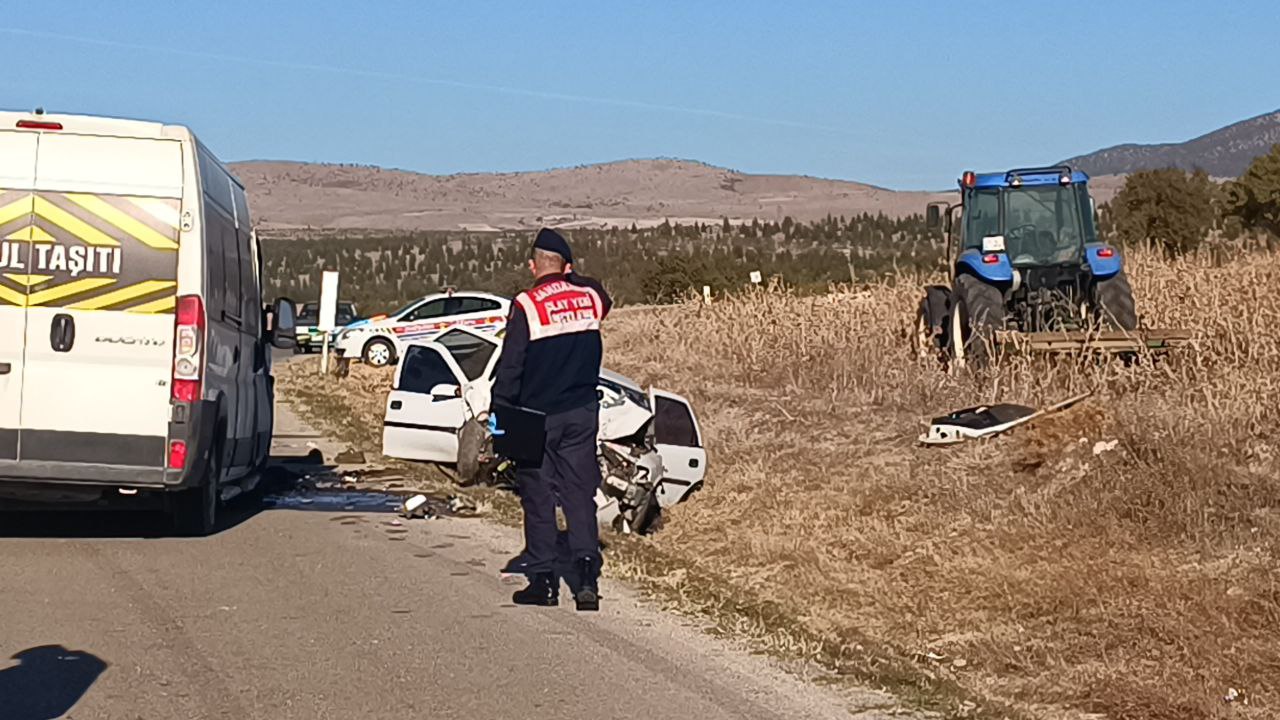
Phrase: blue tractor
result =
(1024, 256)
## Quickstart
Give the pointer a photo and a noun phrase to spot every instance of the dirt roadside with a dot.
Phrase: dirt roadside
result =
(348, 410)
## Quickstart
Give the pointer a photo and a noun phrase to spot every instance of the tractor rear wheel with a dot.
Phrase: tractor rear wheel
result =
(1113, 303)
(977, 311)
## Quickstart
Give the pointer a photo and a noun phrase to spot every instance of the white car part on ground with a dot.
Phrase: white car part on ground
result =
(987, 420)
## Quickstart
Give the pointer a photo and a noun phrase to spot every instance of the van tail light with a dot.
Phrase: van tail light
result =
(188, 349)
(177, 454)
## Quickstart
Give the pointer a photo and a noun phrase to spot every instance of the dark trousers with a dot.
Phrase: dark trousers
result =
(569, 477)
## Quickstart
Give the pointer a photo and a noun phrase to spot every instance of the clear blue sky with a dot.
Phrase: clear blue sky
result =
(902, 94)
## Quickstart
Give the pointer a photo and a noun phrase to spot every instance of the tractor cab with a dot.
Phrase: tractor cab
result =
(1024, 255)
(1044, 218)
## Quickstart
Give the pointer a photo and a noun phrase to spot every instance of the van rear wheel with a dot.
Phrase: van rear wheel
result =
(194, 512)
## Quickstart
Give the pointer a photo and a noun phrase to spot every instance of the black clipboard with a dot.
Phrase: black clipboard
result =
(524, 434)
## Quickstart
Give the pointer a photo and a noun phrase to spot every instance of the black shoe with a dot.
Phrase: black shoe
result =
(587, 597)
(543, 590)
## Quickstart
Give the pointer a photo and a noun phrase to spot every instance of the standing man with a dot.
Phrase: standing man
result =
(550, 362)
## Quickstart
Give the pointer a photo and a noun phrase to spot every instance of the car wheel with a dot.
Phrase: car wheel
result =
(470, 445)
(647, 515)
(379, 352)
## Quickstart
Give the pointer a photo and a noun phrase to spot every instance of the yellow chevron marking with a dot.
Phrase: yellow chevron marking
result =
(31, 233)
(156, 306)
(73, 224)
(122, 220)
(161, 210)
(124, 294)
(13, 297)
(28, 280)
(63, 291)
(15, 210)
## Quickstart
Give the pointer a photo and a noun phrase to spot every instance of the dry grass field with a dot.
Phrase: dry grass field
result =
(1037, 574)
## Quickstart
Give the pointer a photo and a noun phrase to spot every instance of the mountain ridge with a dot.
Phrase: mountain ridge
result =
(1223, 153)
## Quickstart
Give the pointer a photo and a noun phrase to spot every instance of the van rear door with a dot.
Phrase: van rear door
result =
(17, 183)
(100, 297)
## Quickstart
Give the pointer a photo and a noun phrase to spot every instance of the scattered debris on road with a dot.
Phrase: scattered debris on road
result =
(987, 420)
(350, 456)
(416, 507)
(461, 505)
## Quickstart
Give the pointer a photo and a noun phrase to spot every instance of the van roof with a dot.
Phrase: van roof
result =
(98, 125)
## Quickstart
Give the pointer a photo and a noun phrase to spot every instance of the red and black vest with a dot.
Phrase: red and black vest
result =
(552, 349)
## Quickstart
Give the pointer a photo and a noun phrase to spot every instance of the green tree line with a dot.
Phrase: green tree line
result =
(658, 264)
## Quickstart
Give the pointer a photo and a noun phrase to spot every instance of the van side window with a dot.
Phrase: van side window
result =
(251, 296)
(215, 293)
(234, 300)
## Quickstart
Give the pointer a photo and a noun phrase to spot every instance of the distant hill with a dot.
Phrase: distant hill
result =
(644, 192)
(1222, 153)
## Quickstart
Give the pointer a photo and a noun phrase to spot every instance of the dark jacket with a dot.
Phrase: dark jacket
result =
(552, 349)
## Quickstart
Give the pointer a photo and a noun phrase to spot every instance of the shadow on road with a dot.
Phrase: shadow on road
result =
(286, 487)
(47, 682)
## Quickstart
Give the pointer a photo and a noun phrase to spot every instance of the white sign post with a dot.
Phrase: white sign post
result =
(756, 277)
(328, 314)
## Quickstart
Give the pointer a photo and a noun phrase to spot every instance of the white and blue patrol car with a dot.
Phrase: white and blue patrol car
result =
(381, 339)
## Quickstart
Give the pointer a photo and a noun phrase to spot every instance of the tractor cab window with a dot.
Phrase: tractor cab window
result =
(982, 216)
(1042, 225)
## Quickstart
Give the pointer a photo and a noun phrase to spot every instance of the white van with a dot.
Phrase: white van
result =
(133, 349)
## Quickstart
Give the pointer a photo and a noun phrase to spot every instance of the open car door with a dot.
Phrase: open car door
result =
(475, 353)
(679, 442)
(425, 407)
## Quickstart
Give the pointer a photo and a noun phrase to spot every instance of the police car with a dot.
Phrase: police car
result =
(381, 339)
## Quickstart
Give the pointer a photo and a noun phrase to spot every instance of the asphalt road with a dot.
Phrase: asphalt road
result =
(313, 611)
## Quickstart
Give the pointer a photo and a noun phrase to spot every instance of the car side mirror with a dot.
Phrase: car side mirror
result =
(933, 217)
(445, 391)
(284, 324)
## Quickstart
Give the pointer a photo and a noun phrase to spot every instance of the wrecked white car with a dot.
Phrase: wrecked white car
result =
(649, 445)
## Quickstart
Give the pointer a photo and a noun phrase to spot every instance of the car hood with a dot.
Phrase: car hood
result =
(621, 380)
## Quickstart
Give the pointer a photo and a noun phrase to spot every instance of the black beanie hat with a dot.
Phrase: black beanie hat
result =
(551, 241)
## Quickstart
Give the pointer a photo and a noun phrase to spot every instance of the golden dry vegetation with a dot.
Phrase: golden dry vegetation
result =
(1037, 574)
(1140, 582)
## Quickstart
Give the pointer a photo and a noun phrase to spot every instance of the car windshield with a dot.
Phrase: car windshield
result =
(1041, 224)
(309, 314)
(346, 314)
(404, 308)
(470, 352)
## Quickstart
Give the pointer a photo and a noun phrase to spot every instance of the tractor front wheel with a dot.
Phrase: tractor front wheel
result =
(1113, 304)
(977, 311)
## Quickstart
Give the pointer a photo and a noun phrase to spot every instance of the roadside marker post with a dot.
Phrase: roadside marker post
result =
(328, 314)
